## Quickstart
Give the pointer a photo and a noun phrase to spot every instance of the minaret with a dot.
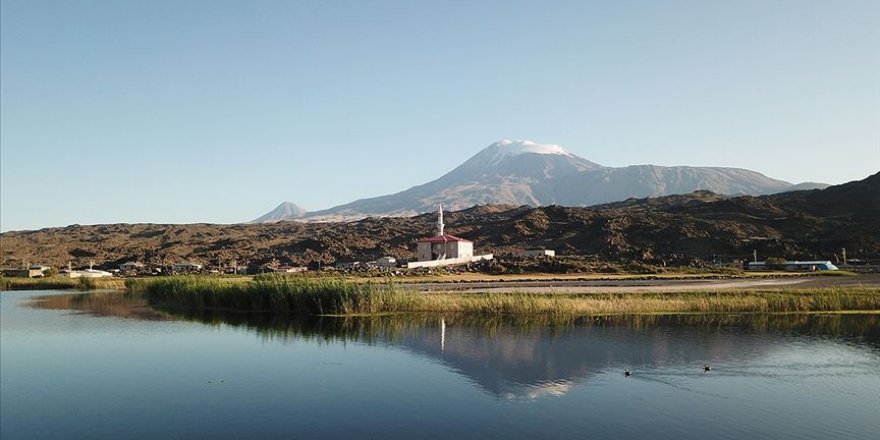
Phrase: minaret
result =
(442, 335)
(439, 219)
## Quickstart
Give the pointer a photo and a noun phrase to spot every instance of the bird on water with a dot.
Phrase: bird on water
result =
(627, 373)
(707, 368)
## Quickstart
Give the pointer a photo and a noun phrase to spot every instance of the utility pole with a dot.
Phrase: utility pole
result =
(755, 256)
(843, 251)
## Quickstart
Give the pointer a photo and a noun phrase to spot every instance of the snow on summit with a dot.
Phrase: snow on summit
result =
(509, 147)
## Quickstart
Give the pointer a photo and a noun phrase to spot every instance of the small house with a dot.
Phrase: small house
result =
(186, 266)
(131, 266)
(540, 253)
(386, 262)
(289, 269)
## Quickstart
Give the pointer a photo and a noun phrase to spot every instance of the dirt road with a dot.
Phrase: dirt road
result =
(656, 285)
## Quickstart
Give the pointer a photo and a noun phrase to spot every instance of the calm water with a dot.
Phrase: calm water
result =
(115, 369)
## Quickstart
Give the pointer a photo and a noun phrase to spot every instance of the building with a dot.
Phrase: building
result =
(444, 249)
(387, 262)
(540, 253)
(131, 266)
(187, 266)
(443, 246)
(34, 271)
(345, 265)
(289, 269)
(89, 273)
(793, 266)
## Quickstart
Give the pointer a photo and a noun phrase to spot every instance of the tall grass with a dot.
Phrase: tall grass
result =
(16, 283)
(335, 296)
(810, 300)
(59, 283)
(277, 293)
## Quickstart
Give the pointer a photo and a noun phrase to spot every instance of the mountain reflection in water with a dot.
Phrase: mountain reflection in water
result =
(530, 357)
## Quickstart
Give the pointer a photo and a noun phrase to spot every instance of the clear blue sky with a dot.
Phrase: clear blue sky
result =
(212, 111)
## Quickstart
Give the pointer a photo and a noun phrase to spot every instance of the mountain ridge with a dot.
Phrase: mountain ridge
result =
(522, 172)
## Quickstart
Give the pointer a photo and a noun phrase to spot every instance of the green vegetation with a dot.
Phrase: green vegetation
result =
(59, 282)
(329, 296)
(277, 293)
(775, 263)
(748, 301)
(15, 283)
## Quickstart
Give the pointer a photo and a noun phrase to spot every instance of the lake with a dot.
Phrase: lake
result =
(105, 365)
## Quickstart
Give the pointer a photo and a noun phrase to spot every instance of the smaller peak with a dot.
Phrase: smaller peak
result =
(284, 211)
(514, 147)
(289, 204)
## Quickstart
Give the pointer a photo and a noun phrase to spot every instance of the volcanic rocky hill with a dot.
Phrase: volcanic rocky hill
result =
(670, 229)
(526, 173)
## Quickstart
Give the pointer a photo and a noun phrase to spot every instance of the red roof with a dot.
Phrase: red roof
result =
(445, 238)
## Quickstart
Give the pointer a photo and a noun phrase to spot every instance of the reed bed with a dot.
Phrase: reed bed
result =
(276, 293)
(748, 301)
(60, 283)
(336, 296)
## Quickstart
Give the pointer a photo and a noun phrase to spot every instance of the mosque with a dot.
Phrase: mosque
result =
(443, 249)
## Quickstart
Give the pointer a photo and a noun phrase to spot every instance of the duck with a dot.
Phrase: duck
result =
(626, 373)
(707, 368)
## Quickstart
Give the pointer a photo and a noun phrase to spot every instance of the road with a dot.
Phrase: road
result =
(652, 285)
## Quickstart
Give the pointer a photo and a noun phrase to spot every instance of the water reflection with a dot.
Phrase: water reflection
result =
(530, 357)
(107, 303)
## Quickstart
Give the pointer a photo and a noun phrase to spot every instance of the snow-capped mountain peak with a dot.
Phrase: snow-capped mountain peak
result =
(509, 147)
(523, 157)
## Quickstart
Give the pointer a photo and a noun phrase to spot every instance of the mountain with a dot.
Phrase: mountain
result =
(517, 172)
(676, 229)
(284, 211)
(807, 185)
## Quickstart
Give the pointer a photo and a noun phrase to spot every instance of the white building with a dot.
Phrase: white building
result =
(131, 266)
(540, 253)
(290, 269)
(89, 273)
(444, 249)
(386, 262)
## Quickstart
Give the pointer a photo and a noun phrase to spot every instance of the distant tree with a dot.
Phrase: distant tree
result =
(775, 263)
(50, 272)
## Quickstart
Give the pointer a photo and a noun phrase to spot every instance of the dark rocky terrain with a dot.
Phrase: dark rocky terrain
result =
(678, 229)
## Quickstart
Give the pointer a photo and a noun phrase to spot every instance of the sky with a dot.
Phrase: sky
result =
(217, 111)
